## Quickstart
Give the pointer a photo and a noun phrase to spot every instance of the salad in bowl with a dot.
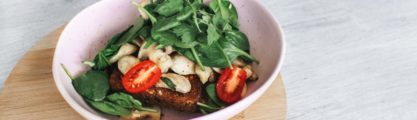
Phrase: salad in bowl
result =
(185, 55)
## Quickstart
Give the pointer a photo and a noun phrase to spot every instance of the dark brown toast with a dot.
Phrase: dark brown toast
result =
(165, 97)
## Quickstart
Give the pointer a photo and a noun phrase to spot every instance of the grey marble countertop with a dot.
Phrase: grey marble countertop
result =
(346, 59)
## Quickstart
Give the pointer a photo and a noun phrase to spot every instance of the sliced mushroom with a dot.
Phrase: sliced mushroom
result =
(182, 65)
(161, 59)
(217, 70)
(243, 94)
(239, 62)
(250, 73)
(125, 49)
(203, 74)
(169, 49)
(144, 52)
(182, 84)
(126, 62)
(144, 115)
(143, 3)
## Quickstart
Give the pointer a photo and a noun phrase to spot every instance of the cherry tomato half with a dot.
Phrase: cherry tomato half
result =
(141, 77)
(230, 85)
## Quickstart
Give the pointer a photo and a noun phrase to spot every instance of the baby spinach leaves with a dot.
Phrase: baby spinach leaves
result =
(101, 60)
(92, 85)
(211, 92)
(127, 101)
(209, 36)
(118, 104)
(169, 7)
(212, 34)
(214, 103)
(225, 13)
(166, 24)
(124, 100)
(109, 108)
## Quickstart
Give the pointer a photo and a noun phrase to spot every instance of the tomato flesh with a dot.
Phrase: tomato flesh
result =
(230, 85)
(141, 77)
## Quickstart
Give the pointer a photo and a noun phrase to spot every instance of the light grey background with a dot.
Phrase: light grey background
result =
(346, 59)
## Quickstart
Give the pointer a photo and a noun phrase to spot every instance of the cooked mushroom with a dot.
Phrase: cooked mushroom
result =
(144, 115)
(144, 52)
(203, 74)
(182, 84)
(250, 73)
(243, 94)
(239, 62)
(142, 12)
(127, 62)
(125, 49)
(182, 65)
(161, 59)
(169, 49)
(217, 70)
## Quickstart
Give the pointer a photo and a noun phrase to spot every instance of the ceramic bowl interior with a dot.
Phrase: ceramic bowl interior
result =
(89, 31)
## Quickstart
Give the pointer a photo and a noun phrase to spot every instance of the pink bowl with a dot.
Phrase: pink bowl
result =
(89, 31)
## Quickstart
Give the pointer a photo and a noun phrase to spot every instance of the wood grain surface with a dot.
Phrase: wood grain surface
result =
(30, 91)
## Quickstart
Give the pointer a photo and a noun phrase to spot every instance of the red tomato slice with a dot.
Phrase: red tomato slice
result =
(230, 85)
(141, 77)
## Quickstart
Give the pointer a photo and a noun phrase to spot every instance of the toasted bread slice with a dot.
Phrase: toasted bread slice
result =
(165, 97)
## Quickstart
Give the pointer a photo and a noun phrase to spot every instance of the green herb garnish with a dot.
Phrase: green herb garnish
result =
(168, 82)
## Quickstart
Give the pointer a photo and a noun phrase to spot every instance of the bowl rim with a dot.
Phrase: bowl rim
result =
(234, 107)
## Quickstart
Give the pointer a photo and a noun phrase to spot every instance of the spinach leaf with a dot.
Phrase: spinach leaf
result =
(169, 7)
(194, 7)
(225, 13)
(208, 107)
(185, 13)
(233, 52)
(165, 38)
(212, 34)
(101, 59)
(209, 55)
(168, 82)
(218, 21)
(92, 85)
(203, 111)
(211, 92)
(197, 58)
(124, 100)
(146, 10)
(109, 108)
(227, 27)
(127, 101)
(233, 14)
(166, 24)
(67, 72)
(187, 33)
(238, 39)
(180, 44)
(131, 33)
(145, 32)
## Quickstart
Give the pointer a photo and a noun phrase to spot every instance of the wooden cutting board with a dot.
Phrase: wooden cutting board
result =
(30, 91)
